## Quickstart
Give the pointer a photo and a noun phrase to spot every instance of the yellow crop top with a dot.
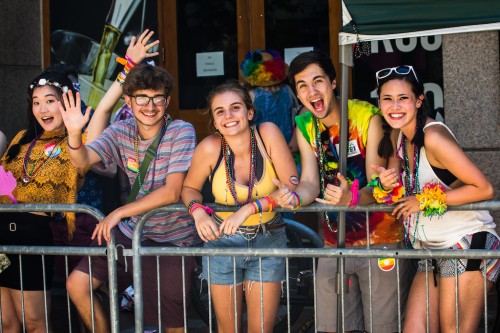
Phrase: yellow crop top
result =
(264, 186)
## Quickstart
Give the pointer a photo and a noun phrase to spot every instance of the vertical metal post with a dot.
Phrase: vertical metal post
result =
(345, 61)
(113, 285)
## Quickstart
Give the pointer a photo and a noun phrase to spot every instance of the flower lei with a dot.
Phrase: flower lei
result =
(381, 195)
(432, 199)
(43, 82)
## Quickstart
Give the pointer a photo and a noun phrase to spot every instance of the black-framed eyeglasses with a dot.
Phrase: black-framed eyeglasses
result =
(143, 100)
(401, 70)
(330, 151)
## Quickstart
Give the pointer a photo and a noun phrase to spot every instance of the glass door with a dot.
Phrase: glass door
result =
(204, 42)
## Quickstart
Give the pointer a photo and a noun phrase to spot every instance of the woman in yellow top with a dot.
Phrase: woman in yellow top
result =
(240, 160)
(39, 162)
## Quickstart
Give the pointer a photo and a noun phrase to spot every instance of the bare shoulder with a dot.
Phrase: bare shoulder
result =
(210, 146)
(437, 135)
(269, 131)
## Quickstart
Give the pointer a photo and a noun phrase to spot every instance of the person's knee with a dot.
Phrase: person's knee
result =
(77, 285)
(35, 324)
(10, 325)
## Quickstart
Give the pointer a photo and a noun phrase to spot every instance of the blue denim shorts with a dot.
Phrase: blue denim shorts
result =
(247, 268)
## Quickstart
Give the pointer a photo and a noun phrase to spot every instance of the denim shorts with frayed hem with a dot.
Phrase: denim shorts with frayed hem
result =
(247, 268)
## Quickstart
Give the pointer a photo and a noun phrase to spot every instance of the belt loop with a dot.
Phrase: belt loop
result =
(12, 226)
(264, 229)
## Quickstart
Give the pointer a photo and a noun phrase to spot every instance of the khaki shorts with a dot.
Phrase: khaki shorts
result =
(357, 308)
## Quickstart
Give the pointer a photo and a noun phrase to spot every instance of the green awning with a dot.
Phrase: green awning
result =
(388, 19)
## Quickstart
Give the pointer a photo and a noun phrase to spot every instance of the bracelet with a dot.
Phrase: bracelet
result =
(129, 64)
(191, 203)
(121, 61)
(74, 148)
(383, 196)
(432, 199)
(195, 204)
(259, 206)
(355, 194)
(270, 203)
(299, 200)
(130, 60)
(380, 187)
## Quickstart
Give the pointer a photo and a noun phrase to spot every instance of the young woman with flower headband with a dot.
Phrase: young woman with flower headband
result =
(37, 164)
(240, 160)
(436, 173)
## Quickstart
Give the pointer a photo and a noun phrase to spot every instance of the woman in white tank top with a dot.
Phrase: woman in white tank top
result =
(431, 159)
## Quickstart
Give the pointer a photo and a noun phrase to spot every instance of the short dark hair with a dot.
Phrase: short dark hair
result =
(143, 77)
(300, 62)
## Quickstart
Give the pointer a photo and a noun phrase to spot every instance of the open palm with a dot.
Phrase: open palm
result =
(71, 113)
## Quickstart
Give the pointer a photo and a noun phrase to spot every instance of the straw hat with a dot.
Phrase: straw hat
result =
(263, 68)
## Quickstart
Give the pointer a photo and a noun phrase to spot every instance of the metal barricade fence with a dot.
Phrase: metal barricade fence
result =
(109, 251)
(138, 251)
(340, 253)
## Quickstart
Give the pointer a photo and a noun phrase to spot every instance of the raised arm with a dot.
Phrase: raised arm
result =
(74, 120)
(137, 51)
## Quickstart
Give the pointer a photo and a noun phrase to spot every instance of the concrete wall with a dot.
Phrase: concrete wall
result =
(20, 60)
(471, 73)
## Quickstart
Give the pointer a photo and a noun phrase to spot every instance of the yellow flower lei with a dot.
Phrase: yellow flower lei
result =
(432, 199)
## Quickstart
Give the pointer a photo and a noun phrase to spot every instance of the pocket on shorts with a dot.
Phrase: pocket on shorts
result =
(275, 233)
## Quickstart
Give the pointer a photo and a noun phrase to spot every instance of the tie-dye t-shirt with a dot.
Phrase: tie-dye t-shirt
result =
(383, 227)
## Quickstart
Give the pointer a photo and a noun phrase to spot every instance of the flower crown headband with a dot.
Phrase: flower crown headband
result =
(43, 82)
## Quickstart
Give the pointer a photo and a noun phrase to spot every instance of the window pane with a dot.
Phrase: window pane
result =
(297, 23)
(204, 26)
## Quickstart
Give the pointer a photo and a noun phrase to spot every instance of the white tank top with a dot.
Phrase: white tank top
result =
(445, 231)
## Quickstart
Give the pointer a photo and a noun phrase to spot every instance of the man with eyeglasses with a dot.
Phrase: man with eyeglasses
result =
(312, 75)
(168, 145)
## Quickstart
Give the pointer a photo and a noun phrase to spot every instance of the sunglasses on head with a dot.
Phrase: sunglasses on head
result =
(401, 70)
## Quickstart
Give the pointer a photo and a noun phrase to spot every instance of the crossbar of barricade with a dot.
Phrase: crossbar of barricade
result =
(109, 251)
(138, 251)
(341, 253)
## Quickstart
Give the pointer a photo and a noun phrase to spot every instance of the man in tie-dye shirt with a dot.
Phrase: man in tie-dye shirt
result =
(312, 75)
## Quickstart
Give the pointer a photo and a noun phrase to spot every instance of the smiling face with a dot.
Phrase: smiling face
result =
(44, 107)
(399, 104)
(230, 113)
(315, 90)
(149, 117)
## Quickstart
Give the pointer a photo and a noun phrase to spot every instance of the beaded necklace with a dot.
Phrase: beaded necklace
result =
(411, 184)
(231, 178)
(320, 150)
(136, 148)
(51, 150)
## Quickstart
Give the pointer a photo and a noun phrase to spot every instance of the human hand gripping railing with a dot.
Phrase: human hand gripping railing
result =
(303, 252)
(109, 251)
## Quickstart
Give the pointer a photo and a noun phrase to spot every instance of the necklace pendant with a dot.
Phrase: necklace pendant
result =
(26, 180)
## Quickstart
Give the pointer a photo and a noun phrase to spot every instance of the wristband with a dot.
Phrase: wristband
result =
(74, 148)
(299, 200)
(130, 60)
(270, 203)
(432, 199)
(259, 206)
(381, 195)
(355, 193)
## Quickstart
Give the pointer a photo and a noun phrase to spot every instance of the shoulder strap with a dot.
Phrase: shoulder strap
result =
(432, 123)
(148, 157)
